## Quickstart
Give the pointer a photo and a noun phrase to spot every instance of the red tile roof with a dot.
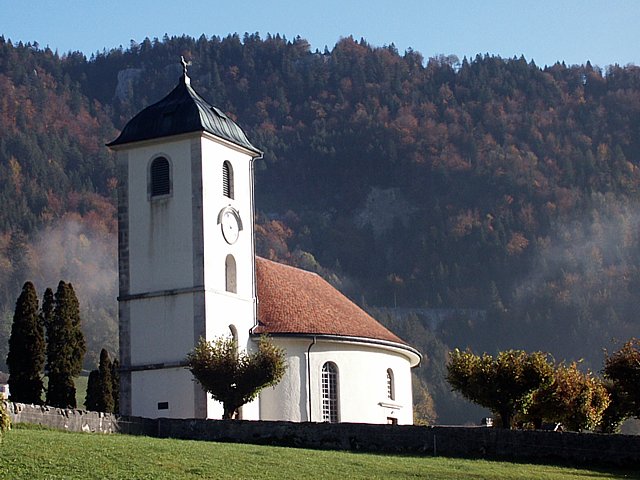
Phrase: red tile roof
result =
(294, 301)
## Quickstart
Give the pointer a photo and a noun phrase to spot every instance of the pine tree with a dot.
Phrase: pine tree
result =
(26, 349)
(65, 349)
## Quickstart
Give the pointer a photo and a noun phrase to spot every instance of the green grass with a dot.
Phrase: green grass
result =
(81, 389)
(48, 454)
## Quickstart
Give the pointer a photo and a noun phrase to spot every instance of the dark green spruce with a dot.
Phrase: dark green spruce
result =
(65, 348)
(26, 349)
(101, 396)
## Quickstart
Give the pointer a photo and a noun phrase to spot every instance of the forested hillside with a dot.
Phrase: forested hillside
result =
(486, 202)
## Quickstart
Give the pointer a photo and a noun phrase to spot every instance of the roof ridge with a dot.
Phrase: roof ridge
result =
(299, 269)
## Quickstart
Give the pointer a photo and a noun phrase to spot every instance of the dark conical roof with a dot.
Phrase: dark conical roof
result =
(182, 111)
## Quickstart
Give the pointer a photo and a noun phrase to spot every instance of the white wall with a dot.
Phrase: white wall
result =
(172, 385)
(226, 308)
(161, 329)
(160, 231)
(362, 383)
(213, 200)
(164, 241)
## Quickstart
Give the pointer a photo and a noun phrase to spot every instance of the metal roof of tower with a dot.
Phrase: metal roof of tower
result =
(182, 111)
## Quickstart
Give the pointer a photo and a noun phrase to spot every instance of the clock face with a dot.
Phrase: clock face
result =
(230, 226)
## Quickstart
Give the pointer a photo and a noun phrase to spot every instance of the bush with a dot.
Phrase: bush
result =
(5, 420)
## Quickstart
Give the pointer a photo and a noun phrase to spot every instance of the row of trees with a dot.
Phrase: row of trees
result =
(59, 356)
(529, 388)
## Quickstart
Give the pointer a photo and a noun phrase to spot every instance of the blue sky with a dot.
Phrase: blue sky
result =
(604, 32)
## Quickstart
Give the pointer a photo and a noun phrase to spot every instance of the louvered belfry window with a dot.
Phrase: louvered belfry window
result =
(330, 392)
(227, 179)
(160, 177)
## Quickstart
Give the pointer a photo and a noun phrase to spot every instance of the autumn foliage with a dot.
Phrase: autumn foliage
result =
(481, 184)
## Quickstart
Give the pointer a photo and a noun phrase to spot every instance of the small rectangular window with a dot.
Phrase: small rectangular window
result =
(392, 421)
(163, 405)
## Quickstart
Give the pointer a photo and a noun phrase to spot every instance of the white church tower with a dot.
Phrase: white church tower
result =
(186, 249)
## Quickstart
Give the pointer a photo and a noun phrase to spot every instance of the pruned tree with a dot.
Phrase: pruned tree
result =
(26, 349)
(622, 370)
(232, 377)
(504, 384)
(577, 400)
(65, 347)
(618, 409)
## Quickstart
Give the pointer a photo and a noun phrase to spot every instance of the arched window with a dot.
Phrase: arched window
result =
(330, 392)
(160, 177)
(391, 388)
(227, 179)
(234, 333)
(230, 274)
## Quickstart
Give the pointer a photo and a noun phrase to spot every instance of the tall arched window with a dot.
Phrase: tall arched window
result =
(391, 388)
(227, 179)
(159, 177)
(234, 333)
(330, 392)
(230, 274)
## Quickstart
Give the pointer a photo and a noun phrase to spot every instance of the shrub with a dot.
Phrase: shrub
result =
(5, 420)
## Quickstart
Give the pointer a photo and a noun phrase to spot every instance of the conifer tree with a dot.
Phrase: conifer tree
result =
(106, 385)
(115, 385)
(65, 349)
(46, 314)
(26, 349)
(100, 396)
(93, 391)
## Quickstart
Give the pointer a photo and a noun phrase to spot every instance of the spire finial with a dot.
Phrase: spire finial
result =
(185, 64)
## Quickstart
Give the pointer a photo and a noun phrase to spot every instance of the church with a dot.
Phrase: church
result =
(188, 269)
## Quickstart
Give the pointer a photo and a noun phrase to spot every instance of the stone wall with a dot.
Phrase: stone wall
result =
(63, 419)
(587, 449)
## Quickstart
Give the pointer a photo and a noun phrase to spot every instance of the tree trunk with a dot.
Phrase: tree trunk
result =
(505, 416)
(227, 413)
(230, 412)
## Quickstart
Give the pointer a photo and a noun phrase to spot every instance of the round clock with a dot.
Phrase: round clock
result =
(230, 224)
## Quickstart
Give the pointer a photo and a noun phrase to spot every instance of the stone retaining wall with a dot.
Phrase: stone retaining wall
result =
(62, 418)
(586, 449)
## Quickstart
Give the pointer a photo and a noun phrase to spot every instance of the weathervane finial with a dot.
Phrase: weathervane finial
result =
(185, 64)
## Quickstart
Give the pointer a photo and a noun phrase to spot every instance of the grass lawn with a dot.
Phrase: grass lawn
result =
(81, 390)
(38, 454)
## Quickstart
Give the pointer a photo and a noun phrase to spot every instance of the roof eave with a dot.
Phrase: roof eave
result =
(414, 356)
(254, 153)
